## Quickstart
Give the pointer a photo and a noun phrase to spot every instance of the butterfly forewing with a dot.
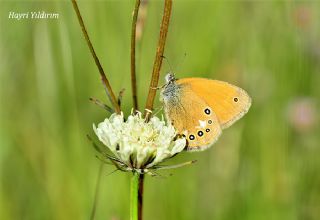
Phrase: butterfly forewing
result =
(228, 102)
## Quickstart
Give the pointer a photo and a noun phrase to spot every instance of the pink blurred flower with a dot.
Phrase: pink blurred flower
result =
(302, 114)
(302, 16)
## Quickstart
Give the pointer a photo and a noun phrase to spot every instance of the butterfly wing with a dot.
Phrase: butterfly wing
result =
(192, 116)
(229, 102)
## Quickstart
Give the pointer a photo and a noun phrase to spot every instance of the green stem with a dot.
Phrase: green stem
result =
(96, 194)
(133, 55)
(136, 196)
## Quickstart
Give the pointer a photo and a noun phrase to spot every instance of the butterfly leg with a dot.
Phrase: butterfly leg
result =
(158, 110)
(159, 87)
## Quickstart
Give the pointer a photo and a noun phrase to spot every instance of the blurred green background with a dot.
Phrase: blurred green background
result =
(266, 166)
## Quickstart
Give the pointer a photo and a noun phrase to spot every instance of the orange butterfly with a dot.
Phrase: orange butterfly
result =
(200, 108)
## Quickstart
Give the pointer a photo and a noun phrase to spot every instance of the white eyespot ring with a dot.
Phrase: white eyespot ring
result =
(207, 111)
(200, 133)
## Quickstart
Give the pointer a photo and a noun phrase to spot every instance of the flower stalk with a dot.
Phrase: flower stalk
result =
(133, 55)
(136, 179)
(136, 192)
(104, 79)
(158, 60)
(140, 196)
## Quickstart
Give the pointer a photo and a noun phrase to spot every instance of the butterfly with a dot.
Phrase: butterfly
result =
(200, 108)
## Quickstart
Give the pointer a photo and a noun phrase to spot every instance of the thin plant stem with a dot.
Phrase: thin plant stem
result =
(140, 196)
(102, 105)
(158, 60)
(96, 193)
(133, 55)
(104, 79)
(136, 196)
(138, 179)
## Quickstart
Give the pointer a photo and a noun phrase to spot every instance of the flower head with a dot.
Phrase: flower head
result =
(302, 114)
(138, 144)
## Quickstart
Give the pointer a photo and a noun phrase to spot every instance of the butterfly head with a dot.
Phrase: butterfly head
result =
(170, 77)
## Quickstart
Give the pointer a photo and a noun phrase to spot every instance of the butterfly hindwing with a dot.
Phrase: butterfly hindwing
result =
(193, 117)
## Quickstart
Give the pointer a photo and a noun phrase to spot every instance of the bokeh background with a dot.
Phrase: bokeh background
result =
(266, 166)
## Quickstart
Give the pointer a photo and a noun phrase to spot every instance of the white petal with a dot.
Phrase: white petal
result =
(179, 145)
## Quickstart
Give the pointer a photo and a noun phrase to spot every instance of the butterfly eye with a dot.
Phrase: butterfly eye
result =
(191, 137)
(209, 121)
(207, 130)
(235, 99)
(207, 111)
(200, 133)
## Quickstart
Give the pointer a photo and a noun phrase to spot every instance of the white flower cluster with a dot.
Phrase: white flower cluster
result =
(138, 144)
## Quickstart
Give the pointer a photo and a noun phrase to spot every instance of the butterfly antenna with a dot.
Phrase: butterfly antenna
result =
(167, 60)
(181, 61)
